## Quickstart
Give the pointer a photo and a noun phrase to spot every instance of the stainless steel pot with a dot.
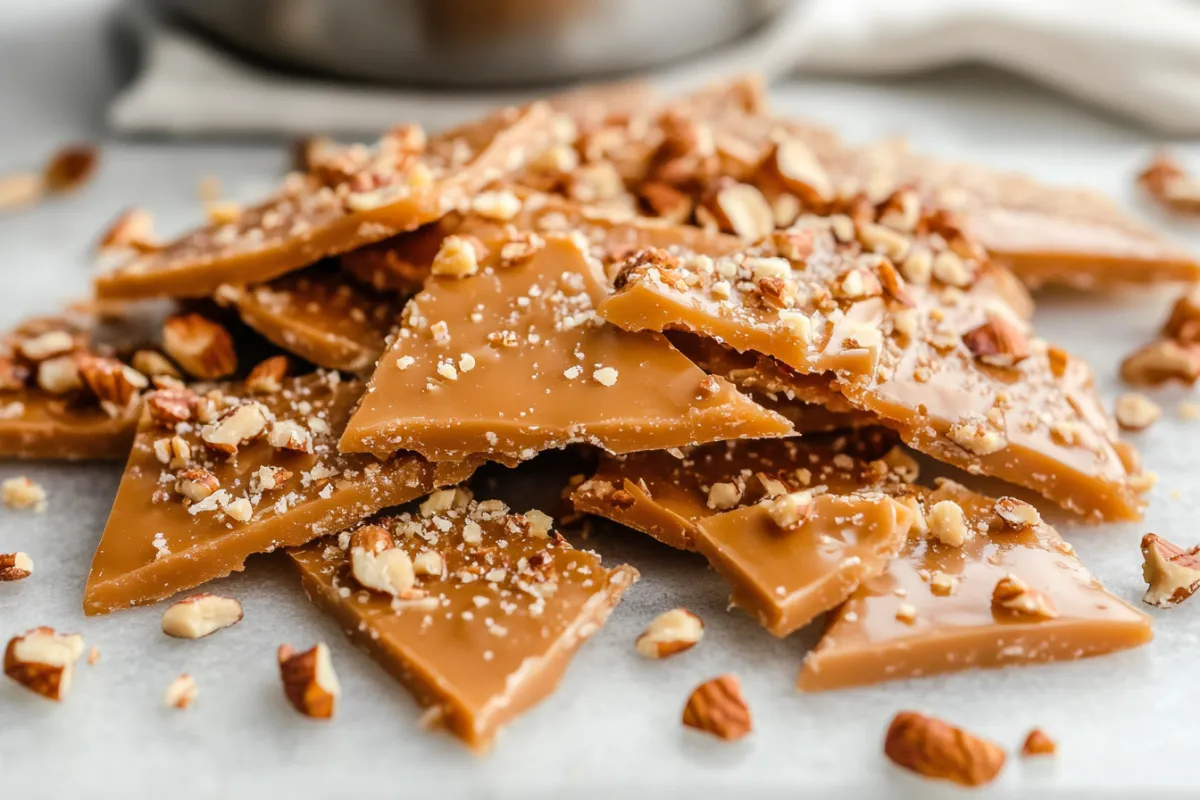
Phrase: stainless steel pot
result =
(475, 42)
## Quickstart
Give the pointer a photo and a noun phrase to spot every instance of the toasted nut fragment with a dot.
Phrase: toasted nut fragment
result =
(942, 584)
(741, 209)
(203, 348)
(1037, 743)
(154, 364)
(93, 656)
(669, 633)
(287, 434)
(724, 496)
(113, 383)
(180, 692)
(1159, 362)
(1017, 514)
(997, 342)
(23, 493)
(977, 436)
(446, 499)
(20, 190)
(790, 510)
(199, 615)
(237, 427)
(309, 682)
(429, 562)
(1170, 185)
(379, 565)
(43, 661)
(902, 464)
(1136, 412)
(267, 375)
(15, 566)
(196, 484)
(132, 230)
(1172, 574)
(269, 478)
(59, 375)
(666, 201)
(1012, 595)
(458, 257)
(540, 523)
(47, 345)
(948, 523)
(717, 707)
(936, 749)
(70, 168)
(802, 173)
(498, 205)
(167, 407)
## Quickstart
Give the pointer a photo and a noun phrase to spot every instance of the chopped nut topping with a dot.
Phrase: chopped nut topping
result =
(289, 435)
(1170, 185)
(724, 496)
(458, 257)
(802, 173)
(1172, 574)
(203, 348)
(997, 342)
(168, 407)
(267, 375)
(790, 510)
(1135, 411)
(196, 484)
(605, 376)
(669, 633)
(154, 364)
(47, 345)
(1017, 514)
(378, 564)
(133, 230)
(180, 692)
(43, 661)
(429, 563)
(936, 749)
(540, 523)
(200, 615)
(23, 493)
(948, 523)
(1037, 743)
(15, 566)
(499, 205)
(237, 427)
(309, 682)
(1013, 595)
(70, 168)
(114, 384)
(59, 375)
(718, 708)
(1159, 362)
(741, 209)
(978, 437)
(444, 500)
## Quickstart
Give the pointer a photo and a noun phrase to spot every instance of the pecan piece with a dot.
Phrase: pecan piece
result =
(43, 661)
(669, 633)
(1012, 596)
(15, 566)
(267, 375)
(70, 168)
(167, 407)
(1159, 362)
(309, 682)
(203, 348)
(939, 750)
(997, 342)
(114, 384)
(718, 708)
(1172, 574)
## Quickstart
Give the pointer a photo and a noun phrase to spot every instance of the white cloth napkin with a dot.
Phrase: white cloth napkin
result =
(1139, 58)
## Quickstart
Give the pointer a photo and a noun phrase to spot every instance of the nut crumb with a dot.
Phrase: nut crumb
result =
(23, 493)
(180, 692)
(669, 633)
(1037, 743)
(1135, 411)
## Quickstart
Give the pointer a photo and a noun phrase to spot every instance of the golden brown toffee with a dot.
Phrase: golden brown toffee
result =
(482, 609)
(320, 316)
(1011, 593)
(214, 479)
(511, 359)
(668, 495)
(355, 197)
(901, 320)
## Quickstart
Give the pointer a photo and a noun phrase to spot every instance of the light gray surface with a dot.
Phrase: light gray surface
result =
(1124, 723)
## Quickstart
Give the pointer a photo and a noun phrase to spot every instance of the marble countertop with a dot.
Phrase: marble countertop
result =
(1122, 722)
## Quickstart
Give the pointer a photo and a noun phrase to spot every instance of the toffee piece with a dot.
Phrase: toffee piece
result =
(492, 608)
(1010, 592)
(214, 479)
(910, 336)
(512, 359)
(354, 197)
(320, 316)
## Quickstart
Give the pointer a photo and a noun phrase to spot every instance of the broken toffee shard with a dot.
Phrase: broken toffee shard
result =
(354, 197)
(907, 331)
(511, 358)
(215, 478)
(1011, 593)
(483, 610)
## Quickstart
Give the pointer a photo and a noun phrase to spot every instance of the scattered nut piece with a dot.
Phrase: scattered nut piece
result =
(23, 493)
(168, 407)
(47, 345)
(154, 364)
(936, 749)
(741, 209)
(222, 212)
(43, 661)
(801, 172)
(70, 168)
(267, 375)
(724, 496)
(15, 566)
(1017, 514)
(1135, 411)
(200, 615)
(1159, 362)
(379, 565)
(114, 384)
(1172, 574)
(669, 633)
(93, 656)
(458, 257)
(948, 523)
(132, 230)
(1037, 743)
(789, 510)
(718, 708)
(1170, 185)
(289, 435)
(203, 348)
(309, 682)
(540, 523)
(429, 562)
(59, 375)
(237, 427)
(997, 342)
(180, 692)
(1014, 596)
